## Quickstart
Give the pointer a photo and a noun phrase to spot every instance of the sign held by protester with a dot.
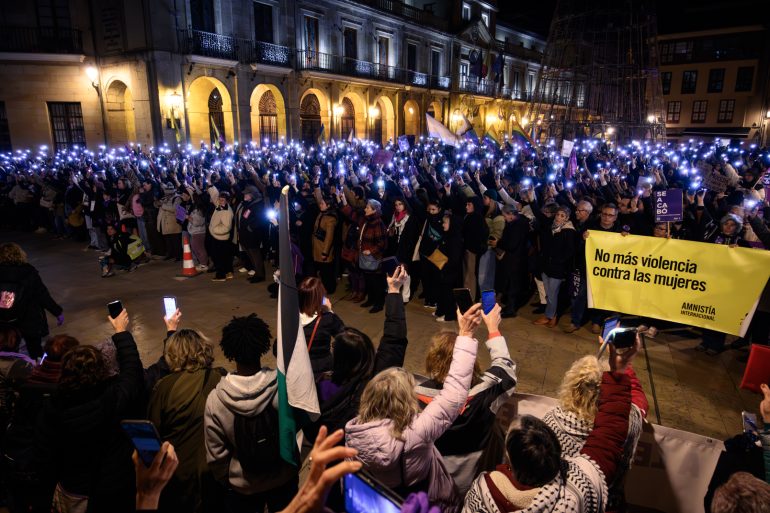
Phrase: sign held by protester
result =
(566, 147)
(668, 206)
(691, 283)
(382, 157)
(715, 181)
(403, 143)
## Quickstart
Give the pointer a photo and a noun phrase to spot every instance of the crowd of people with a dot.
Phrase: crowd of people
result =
(513, 219)
(510, 218)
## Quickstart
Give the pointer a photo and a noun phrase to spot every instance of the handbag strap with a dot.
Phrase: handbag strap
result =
(315, 328)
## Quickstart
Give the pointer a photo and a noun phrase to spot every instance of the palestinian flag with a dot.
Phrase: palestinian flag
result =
(297, 398)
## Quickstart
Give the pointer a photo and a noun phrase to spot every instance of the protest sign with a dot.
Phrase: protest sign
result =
(715, 181)
(691, 283)
(671, 470)
(668, 206)
(382, 157)
(566, 147)
(403, 143)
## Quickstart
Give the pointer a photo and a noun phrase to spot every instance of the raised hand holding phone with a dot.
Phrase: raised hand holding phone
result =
(120, 323)
(172, 321)
(492, 319)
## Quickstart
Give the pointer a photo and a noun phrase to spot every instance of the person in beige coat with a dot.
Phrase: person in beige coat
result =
(221, 228)
(168, 226)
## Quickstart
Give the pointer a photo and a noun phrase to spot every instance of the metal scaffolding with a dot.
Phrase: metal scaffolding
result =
(599, 74)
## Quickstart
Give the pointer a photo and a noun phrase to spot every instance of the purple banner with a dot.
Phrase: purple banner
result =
(668, 205)
(382, 157)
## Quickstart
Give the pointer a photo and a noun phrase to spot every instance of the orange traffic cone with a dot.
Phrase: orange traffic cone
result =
(188, 268)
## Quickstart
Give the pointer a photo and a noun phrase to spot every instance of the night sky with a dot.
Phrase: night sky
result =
(673, 15)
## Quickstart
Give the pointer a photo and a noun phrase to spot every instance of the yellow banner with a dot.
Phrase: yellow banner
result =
(707, 285)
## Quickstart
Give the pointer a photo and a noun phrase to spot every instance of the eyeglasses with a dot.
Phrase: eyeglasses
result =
(582, 210)
(608, 215)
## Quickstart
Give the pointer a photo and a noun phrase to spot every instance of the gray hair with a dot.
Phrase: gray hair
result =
(586, 205)
(375, 205)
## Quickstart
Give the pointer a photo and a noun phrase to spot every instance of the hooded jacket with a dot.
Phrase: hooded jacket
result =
(414, 458)
(247, 396)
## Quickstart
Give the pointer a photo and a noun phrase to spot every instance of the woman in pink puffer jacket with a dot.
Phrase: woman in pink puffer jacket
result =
(395, 441)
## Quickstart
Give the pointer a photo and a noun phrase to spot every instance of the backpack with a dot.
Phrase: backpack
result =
(256, 442)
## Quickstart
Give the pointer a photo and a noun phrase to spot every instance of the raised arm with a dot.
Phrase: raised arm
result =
(439, 415)
(392, 348)
(605, 443)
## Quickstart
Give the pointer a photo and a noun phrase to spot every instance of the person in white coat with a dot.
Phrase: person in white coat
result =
(221, 228)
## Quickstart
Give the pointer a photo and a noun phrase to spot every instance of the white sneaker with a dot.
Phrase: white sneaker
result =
(440, 319)
(242, 270)
(252, 272)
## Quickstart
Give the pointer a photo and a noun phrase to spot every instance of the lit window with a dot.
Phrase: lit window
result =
(466, 12)
(485, 18)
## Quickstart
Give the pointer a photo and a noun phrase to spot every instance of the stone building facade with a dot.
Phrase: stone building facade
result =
(115, 72)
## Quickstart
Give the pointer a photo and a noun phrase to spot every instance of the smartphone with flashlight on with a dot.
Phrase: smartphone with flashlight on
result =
(169, 305)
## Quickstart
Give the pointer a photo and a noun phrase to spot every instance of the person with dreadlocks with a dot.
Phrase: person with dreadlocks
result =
(241, 424)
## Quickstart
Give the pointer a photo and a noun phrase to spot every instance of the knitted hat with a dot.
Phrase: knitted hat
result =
(491, 194)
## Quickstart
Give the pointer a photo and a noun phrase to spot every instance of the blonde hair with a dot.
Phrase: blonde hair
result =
(12, 254)
(579, 390)
(439, 358)
(390, 395)
(188, 350)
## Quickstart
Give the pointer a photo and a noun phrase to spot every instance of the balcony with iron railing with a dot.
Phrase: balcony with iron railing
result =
(328, 63)
(41, 40)
(527, 54)
(419, 16)
(474, 85)
(245, 51)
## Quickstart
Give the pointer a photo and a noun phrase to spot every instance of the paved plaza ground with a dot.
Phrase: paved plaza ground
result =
(695, 392)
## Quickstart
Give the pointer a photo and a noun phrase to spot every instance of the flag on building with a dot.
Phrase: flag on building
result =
(350, 136)
(497, 68)
(476, 61)
(518, 134)
(439, 131)
(297, 398)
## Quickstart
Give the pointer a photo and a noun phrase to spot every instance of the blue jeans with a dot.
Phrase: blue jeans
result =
(143, 234)
(552, 286)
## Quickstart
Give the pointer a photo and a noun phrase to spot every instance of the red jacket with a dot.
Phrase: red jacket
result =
(605, 443)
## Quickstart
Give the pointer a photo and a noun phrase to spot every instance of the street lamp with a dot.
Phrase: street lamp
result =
(651, 119)
(374, 112)
(338, 110)
(174, 101)
(93, 75)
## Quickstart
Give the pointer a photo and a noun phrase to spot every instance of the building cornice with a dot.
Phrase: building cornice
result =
(62, 58)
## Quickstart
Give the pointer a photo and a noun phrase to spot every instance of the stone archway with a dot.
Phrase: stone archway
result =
(411, 118)
(434, 109)
(310, 119)
(121, 124)
(210, 111)
(268, 114)
(318, 107)
(359, 114)
(386, 119)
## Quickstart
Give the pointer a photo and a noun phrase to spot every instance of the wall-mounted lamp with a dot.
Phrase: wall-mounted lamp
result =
(93, 75)
(174, 101)
(651, 119)
(610, 130)
(411, 110)
(338, 110)
(767, 114)
(374, 111)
